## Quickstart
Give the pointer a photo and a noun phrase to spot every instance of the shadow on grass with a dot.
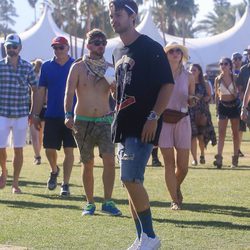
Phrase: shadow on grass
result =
(234, 211)
(204, 224)
(35, 184)
(40, 205)
(35, 205)
(81, 198)
(224, 168)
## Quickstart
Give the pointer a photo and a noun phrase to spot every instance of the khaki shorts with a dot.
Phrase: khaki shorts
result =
(90, 134)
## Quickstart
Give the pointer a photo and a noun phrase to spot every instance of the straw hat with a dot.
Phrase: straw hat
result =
(175, 45)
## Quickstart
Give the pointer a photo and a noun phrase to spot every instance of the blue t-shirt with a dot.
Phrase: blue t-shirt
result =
(54, 77)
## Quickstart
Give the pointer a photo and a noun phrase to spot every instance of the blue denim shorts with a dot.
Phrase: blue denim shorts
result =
(133, 157)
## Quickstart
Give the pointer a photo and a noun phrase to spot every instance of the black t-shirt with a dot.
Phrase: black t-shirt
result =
(141, 69)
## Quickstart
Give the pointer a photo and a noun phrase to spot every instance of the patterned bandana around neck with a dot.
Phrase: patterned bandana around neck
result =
(96, 67)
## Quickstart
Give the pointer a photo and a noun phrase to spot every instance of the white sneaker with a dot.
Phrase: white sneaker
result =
(148, 243)
(135, 245)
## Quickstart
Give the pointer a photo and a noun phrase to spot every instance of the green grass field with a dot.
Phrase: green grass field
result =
(215, 215)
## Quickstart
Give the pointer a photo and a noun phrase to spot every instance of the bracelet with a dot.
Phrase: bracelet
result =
(68, 115)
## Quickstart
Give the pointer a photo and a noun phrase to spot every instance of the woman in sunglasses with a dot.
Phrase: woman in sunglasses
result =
(228, 108)
(177, 136)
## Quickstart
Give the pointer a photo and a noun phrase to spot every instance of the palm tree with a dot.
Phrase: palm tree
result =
(7, 12)
(175, 16)
(32, 3)
(222, 18)
(183, 12)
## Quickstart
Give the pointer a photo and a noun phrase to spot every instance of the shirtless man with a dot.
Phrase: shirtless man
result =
(92, 124)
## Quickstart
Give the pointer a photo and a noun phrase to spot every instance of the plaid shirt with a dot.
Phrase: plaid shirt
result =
(14, 88)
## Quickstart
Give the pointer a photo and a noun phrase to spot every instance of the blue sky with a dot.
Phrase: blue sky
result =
(26, 13)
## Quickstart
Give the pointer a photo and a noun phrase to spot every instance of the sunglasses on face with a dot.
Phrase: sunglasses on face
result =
(237, 59)
(99, 42)
(58, 47)
(224, 63)
(172, 51)
(11, 46)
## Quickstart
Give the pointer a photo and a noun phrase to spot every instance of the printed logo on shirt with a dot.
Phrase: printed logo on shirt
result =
(123, 68)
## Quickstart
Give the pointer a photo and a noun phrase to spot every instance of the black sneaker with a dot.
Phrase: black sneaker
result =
(202, 159)
(52, 182)
(65, 190)
(156, 163)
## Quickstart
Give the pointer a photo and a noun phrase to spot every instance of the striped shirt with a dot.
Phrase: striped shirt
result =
(14, 88)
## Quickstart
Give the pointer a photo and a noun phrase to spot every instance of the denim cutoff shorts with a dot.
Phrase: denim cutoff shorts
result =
(133, 156)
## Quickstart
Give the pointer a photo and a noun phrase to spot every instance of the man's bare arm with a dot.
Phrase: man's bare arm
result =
(38, 96)
(71, 86)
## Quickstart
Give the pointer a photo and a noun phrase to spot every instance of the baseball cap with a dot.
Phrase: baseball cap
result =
(13, 39)
(236, 55)
(59, 40)
(128, 5)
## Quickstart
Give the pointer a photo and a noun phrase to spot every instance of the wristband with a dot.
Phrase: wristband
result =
(68, 115)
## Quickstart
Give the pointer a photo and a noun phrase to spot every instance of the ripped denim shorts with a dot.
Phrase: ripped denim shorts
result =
(133, 156)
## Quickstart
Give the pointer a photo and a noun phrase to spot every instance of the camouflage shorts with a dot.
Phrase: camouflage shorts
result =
(91, 134)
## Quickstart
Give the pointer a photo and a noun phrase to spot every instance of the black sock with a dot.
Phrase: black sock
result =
(155, 153)
(147, 224)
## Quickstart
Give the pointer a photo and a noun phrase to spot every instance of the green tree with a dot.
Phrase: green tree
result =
(32, 3)
(221, 19)
(7, 13)
(175, 17)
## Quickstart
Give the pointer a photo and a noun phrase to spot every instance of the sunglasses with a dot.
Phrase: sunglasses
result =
(237, 58)
(11, 46)
(172, 51)
(99, 42)
(224, 64)
(59, 47)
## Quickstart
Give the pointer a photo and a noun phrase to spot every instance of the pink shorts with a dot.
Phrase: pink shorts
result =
(18, 127)
(176, 135)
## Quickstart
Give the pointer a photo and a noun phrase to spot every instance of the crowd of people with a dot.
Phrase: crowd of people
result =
(160, 102)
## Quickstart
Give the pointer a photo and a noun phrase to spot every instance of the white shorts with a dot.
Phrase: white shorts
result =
(15, 126)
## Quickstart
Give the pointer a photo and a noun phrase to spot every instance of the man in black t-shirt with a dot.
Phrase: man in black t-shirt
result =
(144, 85)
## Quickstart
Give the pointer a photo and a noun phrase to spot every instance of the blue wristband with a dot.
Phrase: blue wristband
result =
(68, 115)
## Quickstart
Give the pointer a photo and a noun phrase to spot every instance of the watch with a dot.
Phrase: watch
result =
(153, 116)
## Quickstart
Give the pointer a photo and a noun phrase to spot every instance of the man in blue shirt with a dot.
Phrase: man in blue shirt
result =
(53, 79)
(16, 77)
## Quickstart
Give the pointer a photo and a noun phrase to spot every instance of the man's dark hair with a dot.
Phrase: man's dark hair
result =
(95, 33)
(129, 6)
